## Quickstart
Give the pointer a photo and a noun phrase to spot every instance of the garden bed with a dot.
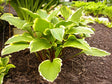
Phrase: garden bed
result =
(80, 70)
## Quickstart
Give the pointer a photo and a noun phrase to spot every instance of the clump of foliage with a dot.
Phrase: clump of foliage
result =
(96, 9)
(32, 5)
(106, 23)
(108, 12)
(48, 34)
(4, 67)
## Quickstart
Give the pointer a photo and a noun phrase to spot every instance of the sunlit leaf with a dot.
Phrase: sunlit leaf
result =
(77, 43)
(5, 60)
(39, 44)
(58, 33)
(41, 24)
(50, 70)
(17, 22)
(14, 48)
(53, 14)
(66, 12)
(96, 52)
(79, 30)
(19, 38)
(63, 23)
(42, 13)
(77, 15)
(8, 67)
(34, 15)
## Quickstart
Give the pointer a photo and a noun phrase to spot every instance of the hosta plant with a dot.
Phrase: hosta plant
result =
(48, 34)
(4, 67)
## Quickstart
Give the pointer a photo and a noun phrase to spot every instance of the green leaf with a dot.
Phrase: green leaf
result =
(76, 16)
(34, 15)
(8, 67)
(40, 25)
(1, 78)
(53, 14)
(14, 48)
(18, 38)
(54, 20)
(63, 23)
(96, 52)
(17, 22)
(27, 25)
(2, 69)
(79, 30)
(50, 70)
(39, 44)
(42, 13)
(58, 33)
(48, 36)
(77, 43)
(65, 11)
(5, 60)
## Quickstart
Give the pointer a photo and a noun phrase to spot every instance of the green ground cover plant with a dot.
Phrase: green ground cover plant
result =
(4, 67)
(48, 34)
(96, 9)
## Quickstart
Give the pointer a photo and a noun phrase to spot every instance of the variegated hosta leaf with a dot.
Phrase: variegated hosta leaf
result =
(42, 13)
(50, 70)
(14, 48)
(96, 52)
(39, 44)
(77, 15)
(34, 15)
(77, 43)
(19, 38)
(54, 20)
(79, 30)
(65, 11)
(17, 22)
(53, 14)
(41, 24)
(8, 67)
(63, 23)
(5, 60)
(58, 33)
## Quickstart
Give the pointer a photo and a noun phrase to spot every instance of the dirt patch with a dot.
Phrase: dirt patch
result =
(80, 70)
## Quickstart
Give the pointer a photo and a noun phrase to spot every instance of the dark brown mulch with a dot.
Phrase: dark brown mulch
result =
(80, 70)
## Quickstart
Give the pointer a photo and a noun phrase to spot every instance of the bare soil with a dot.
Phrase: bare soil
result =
(80, 70)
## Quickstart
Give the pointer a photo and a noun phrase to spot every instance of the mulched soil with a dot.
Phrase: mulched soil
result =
(80, 70)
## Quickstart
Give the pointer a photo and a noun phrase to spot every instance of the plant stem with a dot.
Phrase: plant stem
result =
(77, 54)
(36, 55)
(44, 52)
(73, 56)
(40, 54)
(52, 54)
